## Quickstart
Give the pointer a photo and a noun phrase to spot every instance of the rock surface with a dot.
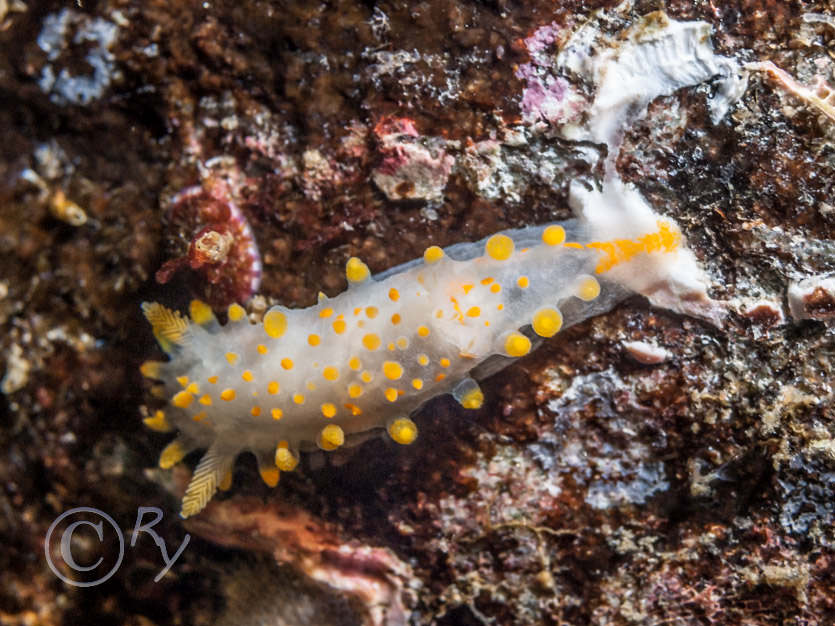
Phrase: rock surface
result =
(589, 489)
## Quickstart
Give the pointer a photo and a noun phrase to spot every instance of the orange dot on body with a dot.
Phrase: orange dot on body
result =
(371, 341)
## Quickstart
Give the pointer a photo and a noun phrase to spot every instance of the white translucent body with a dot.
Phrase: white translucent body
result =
(438, 300)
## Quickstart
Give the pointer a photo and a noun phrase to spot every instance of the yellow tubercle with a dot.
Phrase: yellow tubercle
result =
(588, 288)
(394, 295)
(314, 340)
(298, 398)
(371, 341)
(172, 454)
(158, 422)
(287, 363)
(328, 409)
(330, 373)
(277, 414)
(524, 282)
(284, 459)
(553, 235)
(182, 399)
(227, 395)
(331, 437)
(499, 247)
(391, 394)
(236, 312)
(473, 399)
(231, 357)
(517, 344)
(547, 322)
(183, 381)
(433, 254)
(247, 376)
(151, 369)
(423, 331)
(392, 370)
(339, 326)
(205, 400)
(403, 430)
(275, 324)
(200, 312)
(356, 271)
(354, 390)
(158, 391)
(270, 475)
(255, 411)
(273, 387)
(354, 363)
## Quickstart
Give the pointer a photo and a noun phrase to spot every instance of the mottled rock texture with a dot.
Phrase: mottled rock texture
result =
(590, 489)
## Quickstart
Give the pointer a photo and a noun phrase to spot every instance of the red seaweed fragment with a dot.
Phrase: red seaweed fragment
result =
(222, 250)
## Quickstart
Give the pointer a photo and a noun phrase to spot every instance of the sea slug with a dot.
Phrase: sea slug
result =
(334, 373)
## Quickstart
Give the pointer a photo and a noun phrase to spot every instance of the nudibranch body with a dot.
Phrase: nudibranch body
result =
(366, 360)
